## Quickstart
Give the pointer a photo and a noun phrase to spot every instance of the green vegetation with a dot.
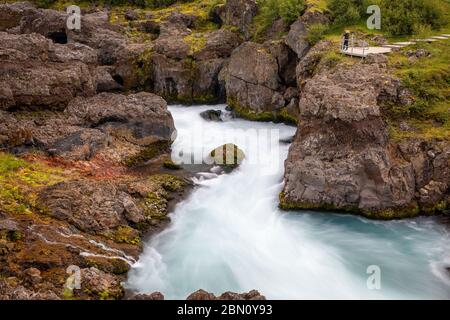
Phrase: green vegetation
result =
(271, 10)
(409, 16)
(169, 164)
(410, 211)
(156, 203)
(281, 116)
(428, 78)
(196, 42)
(346, 11)
(19, 182)
(126, 234)
(400, 17)
(316, 32)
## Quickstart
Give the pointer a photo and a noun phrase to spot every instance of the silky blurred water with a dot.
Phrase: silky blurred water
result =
(229, 235)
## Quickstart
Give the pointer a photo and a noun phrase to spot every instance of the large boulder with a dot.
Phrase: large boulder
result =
(114, 125)
(171, 79)
(253, 79)
(36, 73)
(341, 157)
(93, 207)
(111, 46)
(297, 39)
(140, 118)
(100, 284)
(257, 77)
(52, 133)
(219, 44)
(207, 88)
(227, 155)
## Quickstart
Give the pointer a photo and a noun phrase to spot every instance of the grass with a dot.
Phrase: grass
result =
(428, 78)
(196, 42)
(318, 5)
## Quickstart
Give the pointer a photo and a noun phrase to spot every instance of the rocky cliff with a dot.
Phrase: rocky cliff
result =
(73, 198)
(343, 158)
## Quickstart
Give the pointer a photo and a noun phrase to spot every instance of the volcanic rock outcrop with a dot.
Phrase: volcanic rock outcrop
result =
(342, 157)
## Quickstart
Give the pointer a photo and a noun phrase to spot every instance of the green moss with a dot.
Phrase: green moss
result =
(104, 295)
(169, 182)
(440, 207)
(14, 235)
(317, 5)
(156, 205)
(281, 116)
(154, 150)
(331, 59)
(67, 293)
(156, 202)
(272, 10)
(285, 117)
(409, 211)
(169, 164)
(20, 181)
(120, 267)
(428, 79)
(196, 42)
(126, 234)
(143, 67)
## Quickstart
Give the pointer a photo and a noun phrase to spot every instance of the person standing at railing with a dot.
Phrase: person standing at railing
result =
(346, 39)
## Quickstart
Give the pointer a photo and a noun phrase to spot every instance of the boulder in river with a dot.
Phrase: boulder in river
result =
(212, 115)
(228, 155)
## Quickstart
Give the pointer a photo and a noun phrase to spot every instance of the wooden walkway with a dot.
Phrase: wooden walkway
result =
(363, 52)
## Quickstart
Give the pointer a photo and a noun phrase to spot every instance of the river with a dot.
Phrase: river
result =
(229, 235)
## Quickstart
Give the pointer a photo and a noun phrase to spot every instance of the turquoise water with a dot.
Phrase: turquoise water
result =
(229, 235)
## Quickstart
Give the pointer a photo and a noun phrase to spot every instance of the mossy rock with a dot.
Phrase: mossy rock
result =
(169, 164)
(20, 181)
(152, 151)
(409, 211)
(228, 155)
(126, 234)
(279, 116)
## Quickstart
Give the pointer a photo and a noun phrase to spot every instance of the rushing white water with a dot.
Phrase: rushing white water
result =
(229, 235)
